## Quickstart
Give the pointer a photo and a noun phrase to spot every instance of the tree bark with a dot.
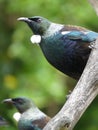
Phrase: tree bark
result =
(94, 3)
(83, 94)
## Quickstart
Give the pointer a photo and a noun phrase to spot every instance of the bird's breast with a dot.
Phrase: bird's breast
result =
(68, 56)
(52, 49)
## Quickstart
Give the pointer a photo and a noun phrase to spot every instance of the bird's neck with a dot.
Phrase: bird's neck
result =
(53, 28)
(33, 114)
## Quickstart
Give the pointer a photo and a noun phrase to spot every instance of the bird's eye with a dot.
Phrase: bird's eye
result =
(38, 20)
(18, 100)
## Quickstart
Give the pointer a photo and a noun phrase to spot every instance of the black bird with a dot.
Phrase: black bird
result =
(31, 117)
(3, 122)
(66, 47)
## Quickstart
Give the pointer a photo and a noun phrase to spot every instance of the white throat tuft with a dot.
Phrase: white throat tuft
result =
(17, 116)
(35, 39)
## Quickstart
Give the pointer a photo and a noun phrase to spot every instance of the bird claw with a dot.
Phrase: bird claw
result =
(92, 46)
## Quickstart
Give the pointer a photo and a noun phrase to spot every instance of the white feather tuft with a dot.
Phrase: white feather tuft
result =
(17, 116)
(35, 39)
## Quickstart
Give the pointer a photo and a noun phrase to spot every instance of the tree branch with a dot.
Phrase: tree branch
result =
(81, 97)
(94, 3)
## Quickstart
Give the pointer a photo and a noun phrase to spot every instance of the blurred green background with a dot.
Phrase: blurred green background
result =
(23, 69)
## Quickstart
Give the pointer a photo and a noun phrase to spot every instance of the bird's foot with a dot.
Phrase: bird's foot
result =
(92, 46)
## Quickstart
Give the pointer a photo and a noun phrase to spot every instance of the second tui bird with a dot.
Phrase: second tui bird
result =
(66, 47)
(31, 117)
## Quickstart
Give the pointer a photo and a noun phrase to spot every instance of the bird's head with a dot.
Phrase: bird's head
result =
(38, 24)
(21, 103)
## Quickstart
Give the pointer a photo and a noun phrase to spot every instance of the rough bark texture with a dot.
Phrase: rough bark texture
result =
(95, 5)
(81, 97)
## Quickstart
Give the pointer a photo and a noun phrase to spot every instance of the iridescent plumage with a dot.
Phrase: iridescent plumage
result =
(66, 47)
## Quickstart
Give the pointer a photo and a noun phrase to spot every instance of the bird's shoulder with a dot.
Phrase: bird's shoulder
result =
(78, 33)
(73, 28)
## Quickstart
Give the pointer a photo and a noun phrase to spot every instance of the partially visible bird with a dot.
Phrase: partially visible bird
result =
(31, 117)
(3, 122)
(66, 47)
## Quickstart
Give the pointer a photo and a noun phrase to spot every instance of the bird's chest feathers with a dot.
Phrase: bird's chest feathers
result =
(65, 54)
(56, 48)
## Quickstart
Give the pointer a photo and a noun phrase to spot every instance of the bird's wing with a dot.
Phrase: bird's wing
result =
(79, 33)
(40, 123)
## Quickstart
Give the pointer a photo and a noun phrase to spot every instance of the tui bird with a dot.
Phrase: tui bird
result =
(66, 47)
(3, 122)
(31, 117)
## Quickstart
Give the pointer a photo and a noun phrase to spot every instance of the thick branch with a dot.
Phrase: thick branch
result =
(81, 97)
(95, 5)
(83, 94)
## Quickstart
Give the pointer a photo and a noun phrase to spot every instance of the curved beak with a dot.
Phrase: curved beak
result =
(23, 19)
(8, 101)
(30, 22)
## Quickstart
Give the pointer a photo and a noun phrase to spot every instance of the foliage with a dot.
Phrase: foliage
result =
(24, 70)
